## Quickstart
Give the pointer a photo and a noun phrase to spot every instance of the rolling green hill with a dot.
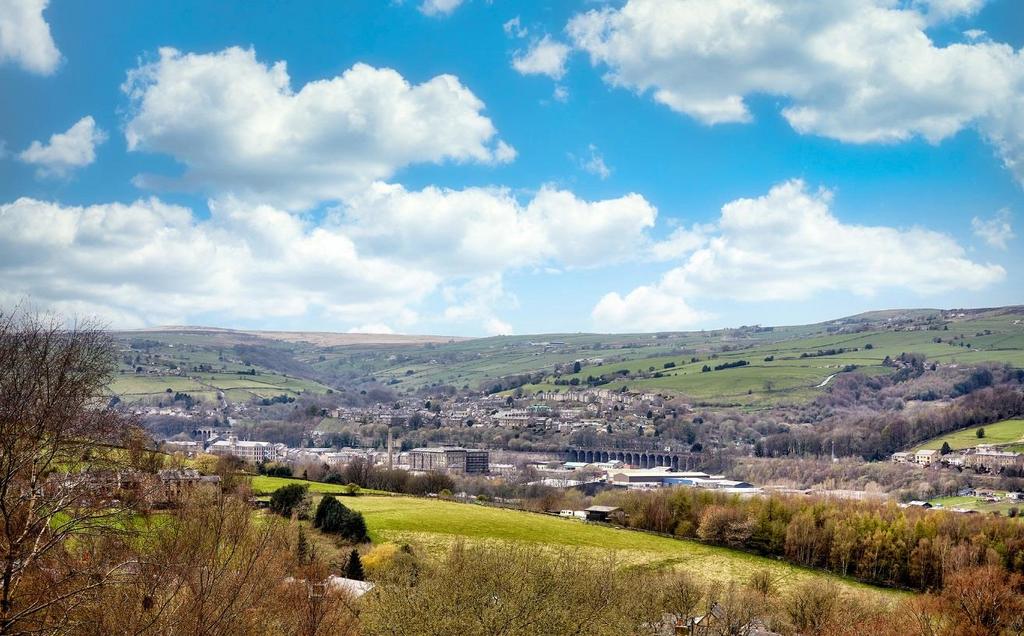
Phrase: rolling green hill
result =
(793, 369)
(435, 524)
(783, 362)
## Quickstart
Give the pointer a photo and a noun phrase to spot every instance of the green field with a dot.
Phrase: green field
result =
(205, 386)
(264, 485)
(435, 524)
(977, 503)
(1005, 432)
(132, 385)
(789, 377)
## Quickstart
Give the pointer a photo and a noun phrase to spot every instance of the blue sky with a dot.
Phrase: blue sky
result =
(486, 167)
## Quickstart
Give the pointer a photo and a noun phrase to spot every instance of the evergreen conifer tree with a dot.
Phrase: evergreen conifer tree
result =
(354, 567)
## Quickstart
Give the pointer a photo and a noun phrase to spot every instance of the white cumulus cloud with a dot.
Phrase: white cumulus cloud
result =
(470, 237)
(153, 263)
(25, 36)
(439, 7)
(996, 231)
(680, 242)
(646, 308)
(465, 232)
(544, 57)
(373, 261)
(238, 126)
(854, 70)
(943, 10)
(479, 300)
(788, 245)
(66, 151)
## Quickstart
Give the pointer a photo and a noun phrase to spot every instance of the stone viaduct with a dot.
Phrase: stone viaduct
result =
(677, 460)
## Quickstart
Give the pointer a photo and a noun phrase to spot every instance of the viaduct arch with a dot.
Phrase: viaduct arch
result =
(676, 460)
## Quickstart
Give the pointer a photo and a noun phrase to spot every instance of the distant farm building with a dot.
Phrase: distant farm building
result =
(600, 513)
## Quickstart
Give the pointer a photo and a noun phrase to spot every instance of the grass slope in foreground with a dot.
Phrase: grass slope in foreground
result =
(1005, 432)
(434, 525)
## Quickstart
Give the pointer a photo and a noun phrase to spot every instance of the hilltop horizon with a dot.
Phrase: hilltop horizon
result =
(395, 338)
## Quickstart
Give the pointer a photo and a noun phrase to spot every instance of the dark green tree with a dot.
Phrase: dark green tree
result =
(945, 450)
(353, 527)
(328, 514)
(576, 366)
(332, 517)
(354, 567)
(980, 432)
(288, 499)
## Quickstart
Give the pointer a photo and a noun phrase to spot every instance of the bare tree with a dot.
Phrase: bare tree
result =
(985, 600)
(58, 475)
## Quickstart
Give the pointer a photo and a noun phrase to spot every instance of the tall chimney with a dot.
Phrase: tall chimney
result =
(391, 450)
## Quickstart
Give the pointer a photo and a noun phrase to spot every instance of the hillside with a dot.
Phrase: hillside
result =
(786, 363)
(434, 525)
(315, 338)
(1007, 435)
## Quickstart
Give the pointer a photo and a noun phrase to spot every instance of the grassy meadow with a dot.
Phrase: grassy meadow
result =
(434, 525)
(1005, 432)
(206, 386)
(977, 503)
(264, 485)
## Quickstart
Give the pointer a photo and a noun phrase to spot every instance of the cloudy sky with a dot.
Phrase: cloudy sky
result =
(488, 166)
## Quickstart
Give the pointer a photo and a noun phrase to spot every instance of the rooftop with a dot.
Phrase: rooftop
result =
(602, 509)
(229, 442)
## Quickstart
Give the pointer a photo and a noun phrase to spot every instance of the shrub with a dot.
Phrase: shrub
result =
(334, 518)
(275, 469)
(380, 557)
(388, 559)
(724, 525)
(328, 514)
(289, 499)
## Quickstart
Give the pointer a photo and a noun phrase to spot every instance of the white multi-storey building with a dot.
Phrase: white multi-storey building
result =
(249, 451)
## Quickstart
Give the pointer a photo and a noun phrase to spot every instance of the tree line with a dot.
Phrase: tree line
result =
(879, 543)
